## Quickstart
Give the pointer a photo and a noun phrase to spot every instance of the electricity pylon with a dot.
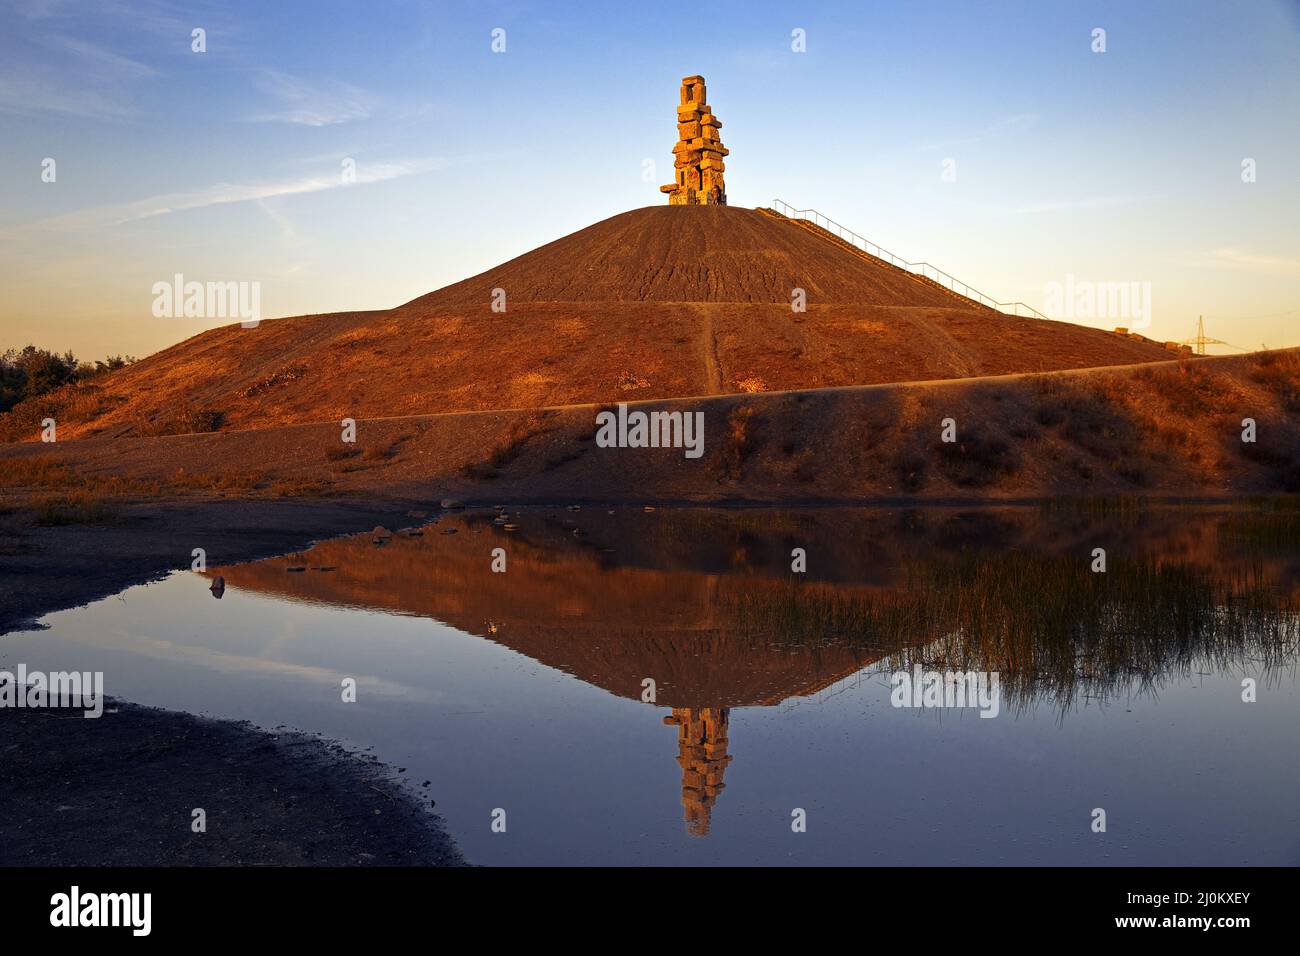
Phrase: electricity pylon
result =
(1201, 341)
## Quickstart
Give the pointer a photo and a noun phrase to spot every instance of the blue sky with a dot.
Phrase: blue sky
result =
(226, 165)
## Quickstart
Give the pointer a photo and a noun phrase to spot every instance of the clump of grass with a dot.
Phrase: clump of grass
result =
(72, 507)
(1279, 372)
(564, 458)
(1190, 389)
(52, 476)
(911, 469)
(183, 421)
(806, 469)
(1126, 507)
(37, 472)
(1023, 429)
(977, 460)
(182, 480)
(1280, 460)
(298, 488)
(1133, 473)
(287, 374)
(507, 450)
(739, 441)
(73, 403)
(1090, 418)
(43, 472)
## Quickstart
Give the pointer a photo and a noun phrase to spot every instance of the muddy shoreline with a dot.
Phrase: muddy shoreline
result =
(122, 790)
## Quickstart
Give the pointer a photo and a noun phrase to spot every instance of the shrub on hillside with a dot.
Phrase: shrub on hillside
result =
(285, 375)
(31, 372)
(1191, 389)
(510, 448)
(739, 441)
(1088, 417)
(1279, 372)
(183, 421)
(977, 459)
(76, 402)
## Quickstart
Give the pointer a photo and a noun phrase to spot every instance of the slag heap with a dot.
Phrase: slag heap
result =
(699, 151)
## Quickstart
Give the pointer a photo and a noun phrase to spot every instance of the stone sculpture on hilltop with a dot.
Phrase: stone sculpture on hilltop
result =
(697, 157)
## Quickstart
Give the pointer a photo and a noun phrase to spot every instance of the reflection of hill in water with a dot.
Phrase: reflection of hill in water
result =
(569, 604)
(704, 602)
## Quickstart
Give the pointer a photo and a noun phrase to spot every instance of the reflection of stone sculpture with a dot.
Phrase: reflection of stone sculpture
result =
(702, 754)
(697, 157)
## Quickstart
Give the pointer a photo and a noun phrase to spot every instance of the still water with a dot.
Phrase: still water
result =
(525, 690)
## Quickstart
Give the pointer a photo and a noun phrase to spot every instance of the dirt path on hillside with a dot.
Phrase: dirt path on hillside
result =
(709, 352)
(945, 347)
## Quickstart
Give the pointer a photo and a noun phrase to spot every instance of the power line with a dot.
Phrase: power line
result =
(1247, 318)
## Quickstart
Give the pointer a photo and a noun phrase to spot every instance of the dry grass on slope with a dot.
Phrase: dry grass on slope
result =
(1168, 430)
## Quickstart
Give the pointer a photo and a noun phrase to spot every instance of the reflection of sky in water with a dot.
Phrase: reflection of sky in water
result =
(1187, 775)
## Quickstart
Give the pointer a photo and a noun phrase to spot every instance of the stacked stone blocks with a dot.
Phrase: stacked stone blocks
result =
(697, 157)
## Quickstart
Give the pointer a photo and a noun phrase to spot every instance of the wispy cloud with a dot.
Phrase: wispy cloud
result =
(159, 17)
(63, 74)
(1039, 207)
(1238, 260)
(1006, 126)
(100, 62)
(288, 234)
(90, 60)
(304, 104)
(49, 94)
(219, 194)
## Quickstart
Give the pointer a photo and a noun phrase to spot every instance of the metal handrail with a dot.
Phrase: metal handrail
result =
(924, 269)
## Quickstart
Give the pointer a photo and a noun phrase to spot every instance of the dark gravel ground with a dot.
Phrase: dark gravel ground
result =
(120, 790)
